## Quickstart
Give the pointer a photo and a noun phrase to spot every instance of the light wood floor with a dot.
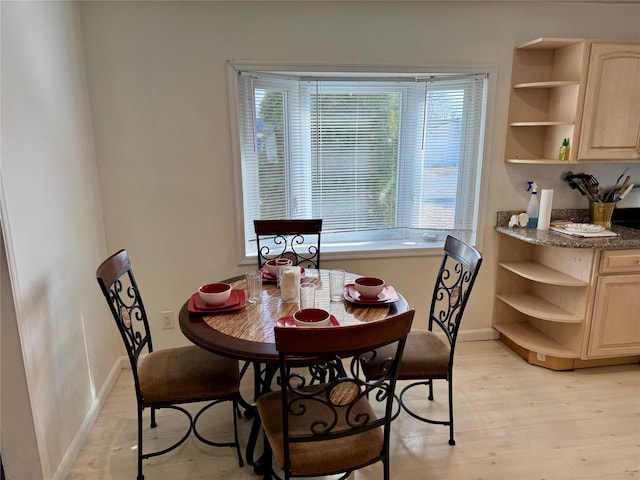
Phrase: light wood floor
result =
(513, 421)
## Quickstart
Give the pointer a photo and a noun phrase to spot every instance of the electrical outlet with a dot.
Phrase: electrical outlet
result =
(167, 319)
(541, 357)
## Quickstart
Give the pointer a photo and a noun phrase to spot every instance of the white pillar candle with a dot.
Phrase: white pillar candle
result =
(290, 284)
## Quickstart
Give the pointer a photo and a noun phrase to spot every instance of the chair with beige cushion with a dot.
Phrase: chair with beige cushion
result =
(428, 354)
(341, 425)
(297, 240)
(170, 377)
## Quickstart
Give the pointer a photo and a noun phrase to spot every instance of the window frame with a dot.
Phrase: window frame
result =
(363, 249)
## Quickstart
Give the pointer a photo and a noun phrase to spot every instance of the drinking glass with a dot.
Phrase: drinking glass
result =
(307, 295)
(336, 285)
(254, 287)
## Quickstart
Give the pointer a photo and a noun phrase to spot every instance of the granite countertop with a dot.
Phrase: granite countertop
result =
(628, 237)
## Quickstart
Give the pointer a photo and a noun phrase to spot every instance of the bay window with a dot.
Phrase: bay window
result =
(389, 162)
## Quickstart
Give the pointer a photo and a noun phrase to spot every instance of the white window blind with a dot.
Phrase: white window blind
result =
(387, 163)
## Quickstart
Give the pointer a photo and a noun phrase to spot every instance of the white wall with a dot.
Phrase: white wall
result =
(162, 129)
(18, 442)
(53, 225)
(154, 92)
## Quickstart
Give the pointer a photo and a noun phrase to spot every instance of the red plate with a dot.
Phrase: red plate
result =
(386, 296)
(236, 301)
(267, 277)
(289, 322)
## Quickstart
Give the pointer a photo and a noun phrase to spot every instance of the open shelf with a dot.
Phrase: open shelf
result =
(547, 78)
(534, 340)
(541, 273)
(550, 84)
(550, 43)
(539, 124)
(537, 307)
(544, 161)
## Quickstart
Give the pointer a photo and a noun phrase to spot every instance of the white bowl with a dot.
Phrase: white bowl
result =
(369, 287)
(273, 264)
(311, 317)
(215, 293)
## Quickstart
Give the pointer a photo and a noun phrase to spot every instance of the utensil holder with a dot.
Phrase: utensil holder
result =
(600, 213)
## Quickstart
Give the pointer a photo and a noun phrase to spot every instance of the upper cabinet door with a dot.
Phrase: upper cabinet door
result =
(611, 115)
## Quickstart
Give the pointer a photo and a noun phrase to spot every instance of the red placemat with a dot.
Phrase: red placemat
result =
(267, 277)
(386, 296)
(236, 301)
(289, 322)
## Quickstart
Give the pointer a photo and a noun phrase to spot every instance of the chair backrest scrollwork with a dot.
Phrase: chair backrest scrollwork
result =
(341, 406)
(456, 276)
(297, 240)
(120, 289)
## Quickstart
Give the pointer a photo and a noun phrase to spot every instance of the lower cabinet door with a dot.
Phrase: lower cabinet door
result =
(615, 325)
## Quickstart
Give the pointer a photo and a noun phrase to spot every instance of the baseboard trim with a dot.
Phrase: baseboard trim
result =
(83, 432)
(478, 334)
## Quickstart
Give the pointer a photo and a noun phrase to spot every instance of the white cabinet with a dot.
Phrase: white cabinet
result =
(611, 116)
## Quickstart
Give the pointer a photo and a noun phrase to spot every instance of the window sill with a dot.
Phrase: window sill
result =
(385, 249)
(354, 250)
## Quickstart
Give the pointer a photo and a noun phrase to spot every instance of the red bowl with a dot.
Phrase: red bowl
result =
(369, 287)
(311, 317)
(215, 293)
(273, 264)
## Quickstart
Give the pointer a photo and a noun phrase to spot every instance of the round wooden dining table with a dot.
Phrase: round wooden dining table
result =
(247, 333)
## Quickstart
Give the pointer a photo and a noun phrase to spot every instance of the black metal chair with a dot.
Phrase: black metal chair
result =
(297, 240)
(428, 354)
(341, 425)
(170, 377)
